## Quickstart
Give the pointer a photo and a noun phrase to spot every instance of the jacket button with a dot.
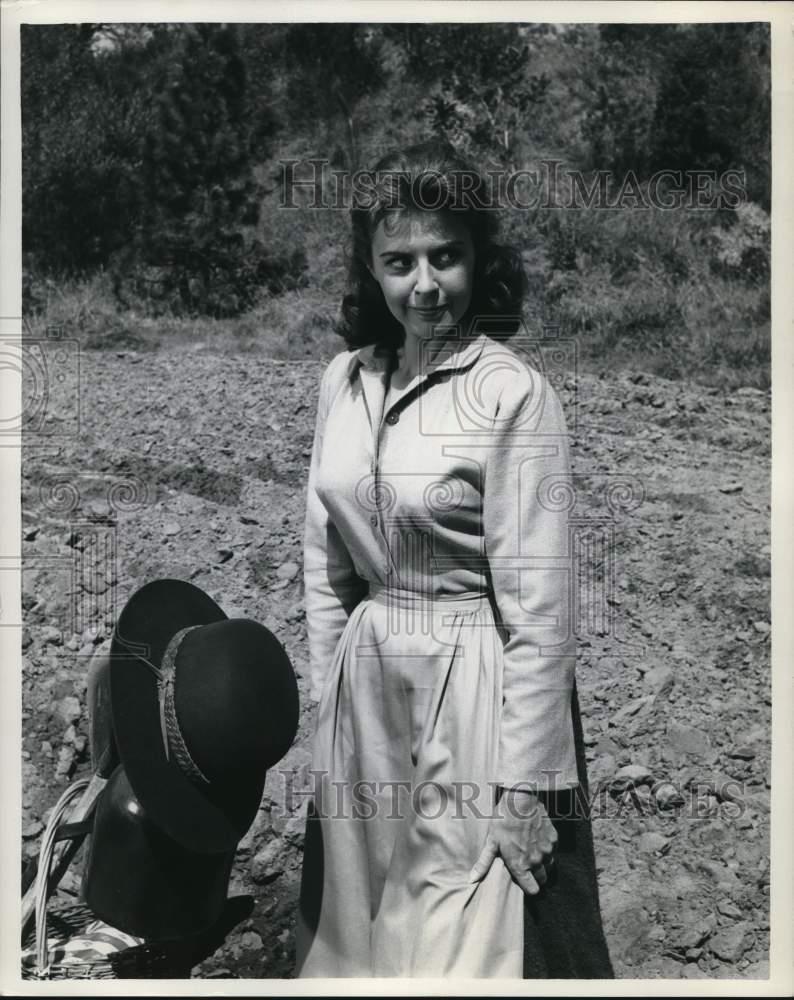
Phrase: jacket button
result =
(392, 418)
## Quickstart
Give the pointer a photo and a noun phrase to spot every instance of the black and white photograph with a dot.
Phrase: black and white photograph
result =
(387, 451)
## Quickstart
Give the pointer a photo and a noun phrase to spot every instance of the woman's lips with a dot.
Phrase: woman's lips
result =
(430, 313)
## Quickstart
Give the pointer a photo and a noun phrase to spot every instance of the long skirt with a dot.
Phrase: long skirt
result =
(404, 759)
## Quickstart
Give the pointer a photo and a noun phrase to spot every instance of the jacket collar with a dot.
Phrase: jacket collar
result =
(452, 353)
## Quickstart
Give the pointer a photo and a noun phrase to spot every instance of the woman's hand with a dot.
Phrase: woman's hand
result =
(522, 834)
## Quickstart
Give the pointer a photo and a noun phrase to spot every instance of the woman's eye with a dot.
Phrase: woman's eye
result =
(398, 265)
(446, 258)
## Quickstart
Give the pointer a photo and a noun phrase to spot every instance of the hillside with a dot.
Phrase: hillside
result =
(192, 463)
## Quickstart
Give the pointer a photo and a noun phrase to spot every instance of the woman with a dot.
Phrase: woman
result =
(438, 585)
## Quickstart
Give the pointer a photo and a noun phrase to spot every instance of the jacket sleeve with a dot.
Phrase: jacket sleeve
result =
(527, 491)
(332, 586)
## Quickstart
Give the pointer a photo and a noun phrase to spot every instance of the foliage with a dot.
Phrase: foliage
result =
(705, 121)
(200, 198)
(622, 83)
(79, 151)
(742, 250)
(151, 155)
(483, 93)
(661, 101)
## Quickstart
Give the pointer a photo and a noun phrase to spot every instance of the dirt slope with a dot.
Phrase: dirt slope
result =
(194, 466)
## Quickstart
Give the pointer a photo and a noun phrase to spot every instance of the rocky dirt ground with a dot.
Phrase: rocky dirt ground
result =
(191, 464)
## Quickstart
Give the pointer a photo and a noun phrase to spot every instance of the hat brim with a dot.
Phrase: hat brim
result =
(170, 799)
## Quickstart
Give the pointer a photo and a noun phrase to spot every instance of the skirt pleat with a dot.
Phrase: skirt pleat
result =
(404, 757)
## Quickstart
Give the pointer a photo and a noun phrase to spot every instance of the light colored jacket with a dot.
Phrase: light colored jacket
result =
(461, 486)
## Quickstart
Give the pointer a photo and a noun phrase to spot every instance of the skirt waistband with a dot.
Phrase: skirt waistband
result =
(392, 597)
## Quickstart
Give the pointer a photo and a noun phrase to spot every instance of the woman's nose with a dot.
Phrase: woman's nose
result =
(425, 279)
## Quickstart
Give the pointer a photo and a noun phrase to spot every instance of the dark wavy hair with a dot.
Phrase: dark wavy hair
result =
(429, 176)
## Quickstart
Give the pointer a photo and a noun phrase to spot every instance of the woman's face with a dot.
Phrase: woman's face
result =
(424, 264)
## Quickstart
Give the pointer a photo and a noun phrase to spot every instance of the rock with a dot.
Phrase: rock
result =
(659, 679)
(722, 786)
(695, 933)
(606, 745)
(712, 833)
(251, 941)
(728, 909)
(224, 555)
(687, 744)
(66, 762)
(742, 753)
(29, 535)
(763, 627)
(628, 933)
(722, 875)
(693, 971)
(693, 954)
(630, 776)
(52, 636)
(68, 709)
(667, 795)
(171, 528)
(630, 710)
(668, 587)
(730, 943)
(295, 827)
(600, 771)
(287, 571)
(653, 843)
(731, 488)
(32, 829)
(268, 863)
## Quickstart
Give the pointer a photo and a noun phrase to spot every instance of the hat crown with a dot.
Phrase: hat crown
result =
(202, 706)
(229, 678)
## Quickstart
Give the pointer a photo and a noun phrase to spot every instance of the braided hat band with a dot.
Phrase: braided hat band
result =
(173, 740)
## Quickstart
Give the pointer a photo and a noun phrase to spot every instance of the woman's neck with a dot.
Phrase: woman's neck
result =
(412, 356)
(408, 359)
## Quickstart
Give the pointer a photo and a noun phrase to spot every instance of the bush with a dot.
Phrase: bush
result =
(80, 133)
(659, 290)
(195, 248)
(743, 248)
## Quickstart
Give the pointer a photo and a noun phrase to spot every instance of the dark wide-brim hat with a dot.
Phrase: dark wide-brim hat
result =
(202, 706)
